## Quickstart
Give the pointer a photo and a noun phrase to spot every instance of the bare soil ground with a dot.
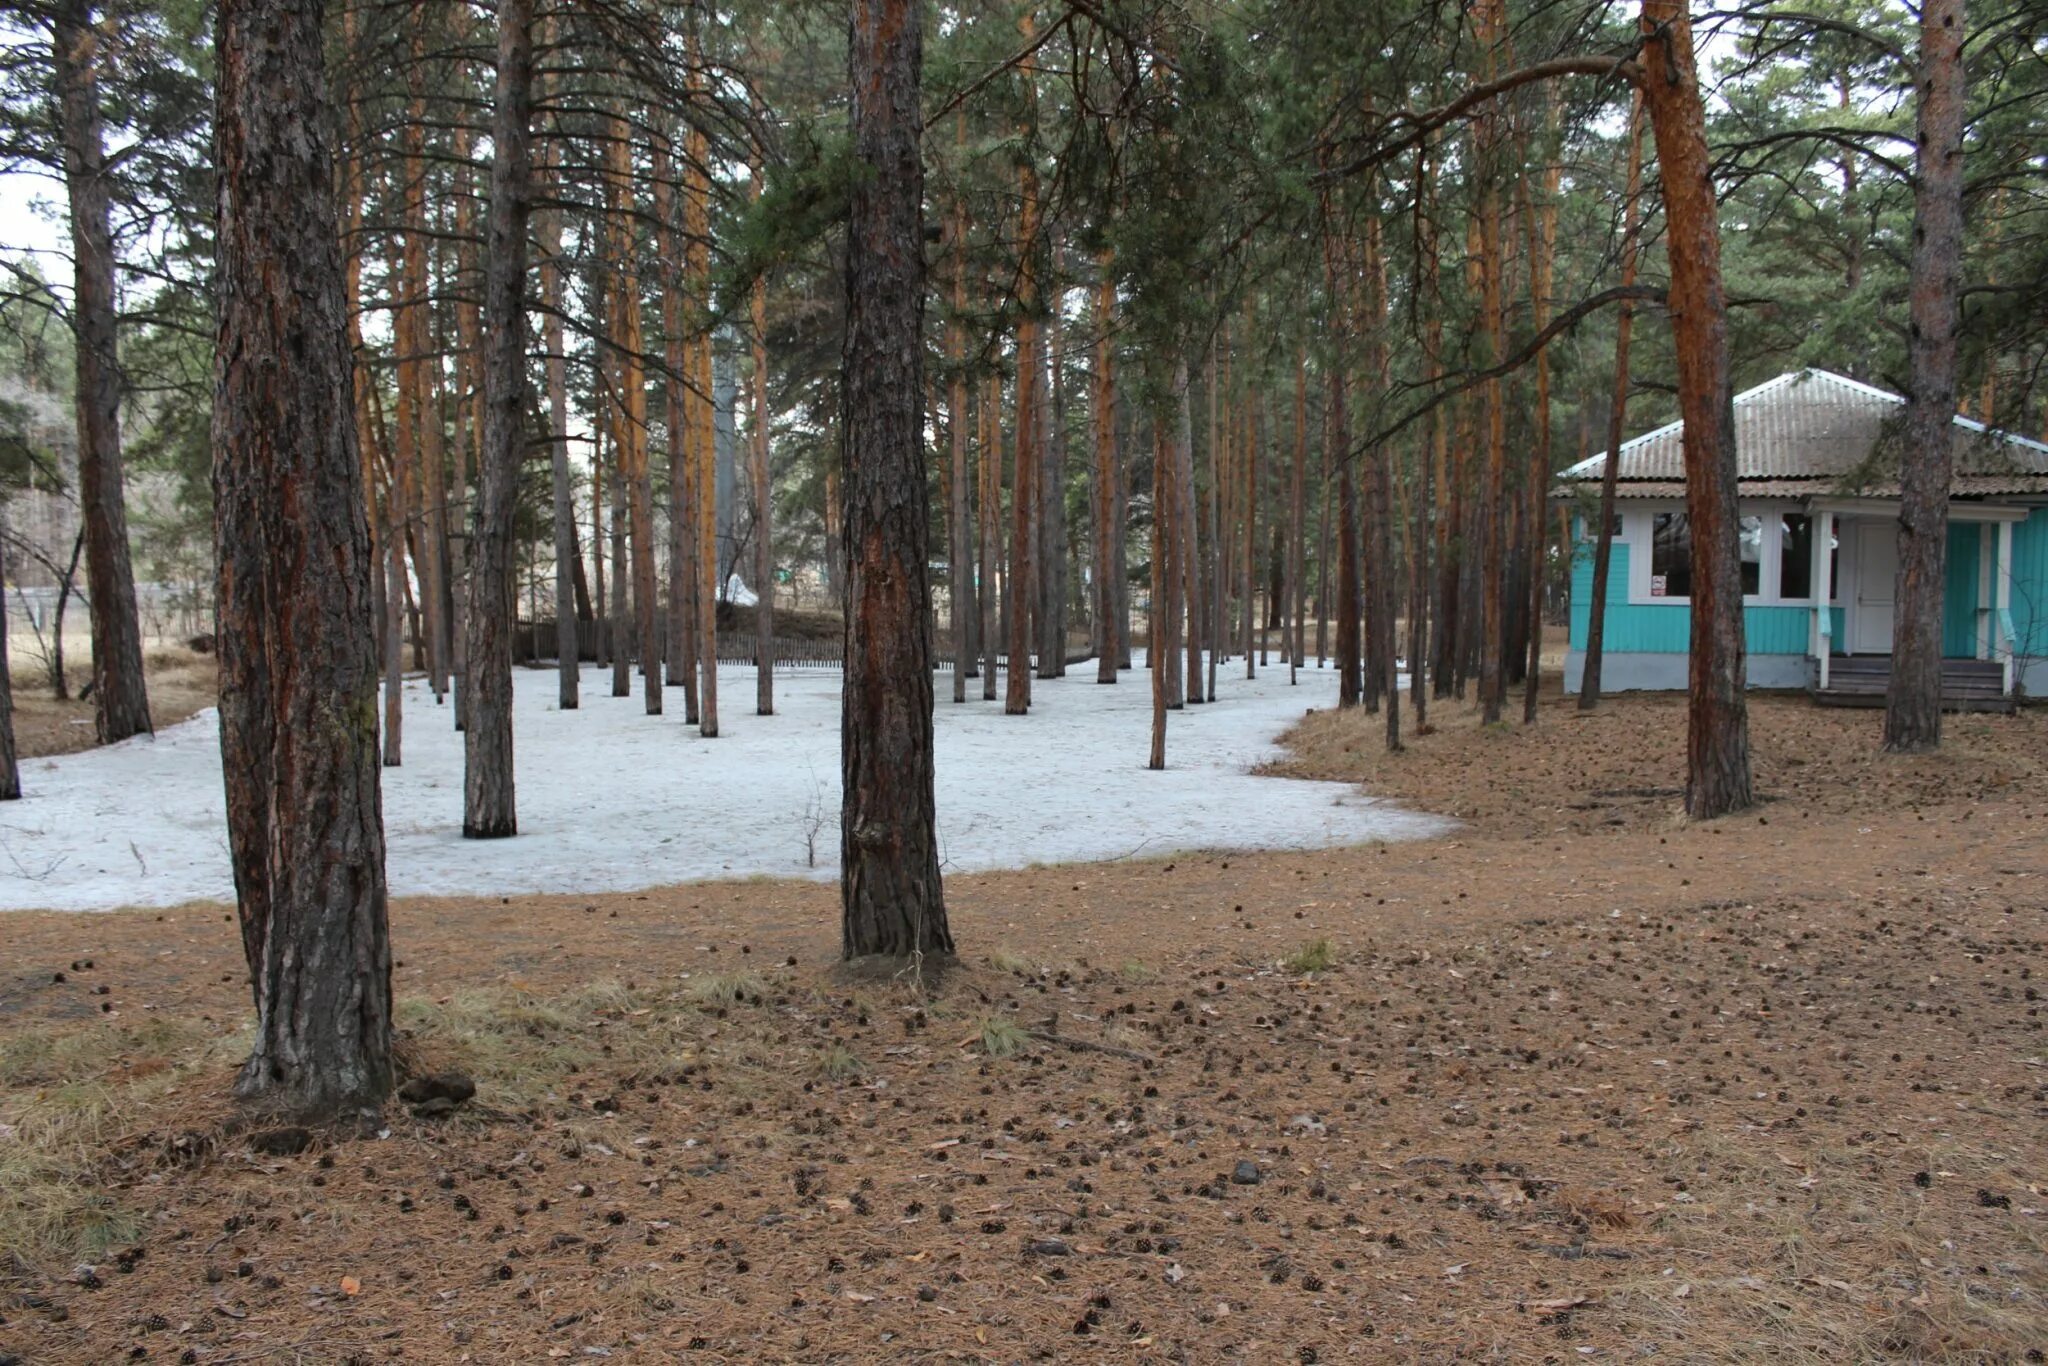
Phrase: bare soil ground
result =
(1578, 1081)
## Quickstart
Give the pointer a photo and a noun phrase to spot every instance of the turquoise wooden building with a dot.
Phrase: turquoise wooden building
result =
(1809, 457)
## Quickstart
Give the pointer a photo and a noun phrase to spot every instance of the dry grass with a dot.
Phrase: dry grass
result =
(180, 682)
(78, 1101)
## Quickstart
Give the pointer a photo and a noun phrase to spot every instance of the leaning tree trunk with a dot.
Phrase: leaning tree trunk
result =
(488, 807)
(1912, 711)
(298, 666)
(1617, 415)
(891, 898)
(120, 701)
(1717, 728)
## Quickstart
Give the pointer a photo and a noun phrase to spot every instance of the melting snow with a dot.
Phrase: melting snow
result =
(612, 800)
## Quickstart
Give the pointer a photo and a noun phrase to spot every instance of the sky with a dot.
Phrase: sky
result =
(27, 223)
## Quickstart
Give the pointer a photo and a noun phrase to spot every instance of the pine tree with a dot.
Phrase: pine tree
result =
(890, 891)
(298, 664)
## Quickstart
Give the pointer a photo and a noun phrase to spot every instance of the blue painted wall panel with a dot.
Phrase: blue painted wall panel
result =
(2030, 584)
(1959, 601)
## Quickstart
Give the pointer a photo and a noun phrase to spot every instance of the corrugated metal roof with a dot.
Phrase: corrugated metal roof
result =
(1962, 486)
(1812, 426)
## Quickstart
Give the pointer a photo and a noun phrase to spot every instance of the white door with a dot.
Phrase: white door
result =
(1877, 574)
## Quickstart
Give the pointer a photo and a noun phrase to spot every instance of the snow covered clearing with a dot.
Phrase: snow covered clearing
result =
(611, 799)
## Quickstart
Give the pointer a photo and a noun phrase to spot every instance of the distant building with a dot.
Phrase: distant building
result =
(1816, 459)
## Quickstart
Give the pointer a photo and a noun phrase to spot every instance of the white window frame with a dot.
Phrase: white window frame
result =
(1639, 525)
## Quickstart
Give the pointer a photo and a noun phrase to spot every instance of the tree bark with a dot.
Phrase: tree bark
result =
(490, 810)
(1254, 422)
(1186, 546)
(120, 698)
(1493, 316)
(298, 661)
(679, 623)
(891, 898)
(1108, 628)
(1349, 661)
(1052, 655)
(10, 768)
(419, 378)
(568, 558)
(1617, 416)
(1206, 617)
(394, 641)
(959, 551)
(616, 476)
(1717, 729)
(1024, 509)
(699, 401)
(763, 494)
(633, 464)
(1297, 516)
(1159, 641)
(989, 472)
(1544, 242)
(1912, 712)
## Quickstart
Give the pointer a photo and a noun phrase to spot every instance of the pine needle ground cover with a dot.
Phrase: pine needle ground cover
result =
(1578, 1075)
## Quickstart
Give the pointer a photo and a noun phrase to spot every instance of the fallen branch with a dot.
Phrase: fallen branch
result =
(1089, 1045)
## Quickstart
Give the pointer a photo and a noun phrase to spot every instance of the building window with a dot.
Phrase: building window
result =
(1589, 528)
(1795, 558)
(1764, 536)
(1750, 544)
(1795, 555)
(1670, 556)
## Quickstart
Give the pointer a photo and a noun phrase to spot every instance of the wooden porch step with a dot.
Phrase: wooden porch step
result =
(1863, 680)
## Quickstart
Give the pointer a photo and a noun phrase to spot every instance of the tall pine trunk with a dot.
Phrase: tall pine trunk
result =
(120, 699)
(1717, 726)
(989, 478)
(1022, 584)
(489, 809)
(678, 622)
(1297, 507)
(959, 551)
(1109, 637)
(1493, 511)
(10, 768)
(698, 402)
(763, 494)
(1186, 545)
(1544, 243)
(568, 658)
(1617, 417)
(1912, 711)
(631, 446)
(1161, 648)
(891, 898)
(298, 662)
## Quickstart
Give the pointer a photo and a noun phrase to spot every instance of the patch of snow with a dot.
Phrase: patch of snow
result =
(611, 799)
